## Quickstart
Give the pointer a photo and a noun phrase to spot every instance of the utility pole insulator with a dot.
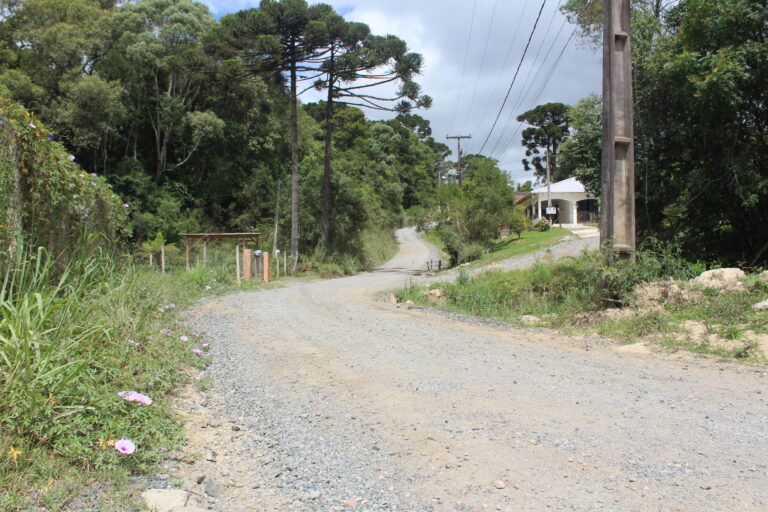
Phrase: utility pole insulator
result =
(458, 163)
(617, 209)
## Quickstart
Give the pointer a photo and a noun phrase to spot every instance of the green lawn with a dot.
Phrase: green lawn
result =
(511, 246)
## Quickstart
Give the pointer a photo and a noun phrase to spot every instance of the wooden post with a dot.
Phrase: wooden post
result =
(247, 272)
(617, 215)
(237, 264)
(266, 266)
(277, 265)
(151, 260)
(162, 258)
(205, 253)
(285, 263)
(186, 255)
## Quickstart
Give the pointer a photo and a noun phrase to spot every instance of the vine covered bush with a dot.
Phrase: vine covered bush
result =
(48, 199)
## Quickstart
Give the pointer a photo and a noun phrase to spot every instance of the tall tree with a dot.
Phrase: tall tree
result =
(357, 62)
(159, 56)
(549, 128)
(580, 153)
(282, 36)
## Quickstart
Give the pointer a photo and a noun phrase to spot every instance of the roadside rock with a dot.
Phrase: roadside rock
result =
(392, 299)
(164, 500)
(651, 295)
(728, 279)
(693, 330)
(761, 306)
(212, 488)
(763, 276)
(529, 320)
(436, 293)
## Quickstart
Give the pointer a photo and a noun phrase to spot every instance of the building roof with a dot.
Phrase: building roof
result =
(571, 185)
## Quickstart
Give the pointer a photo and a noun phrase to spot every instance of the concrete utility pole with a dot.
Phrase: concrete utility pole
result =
(458, 163)
(617, 216)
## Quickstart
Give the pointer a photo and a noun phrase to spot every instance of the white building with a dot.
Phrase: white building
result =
(572, 203)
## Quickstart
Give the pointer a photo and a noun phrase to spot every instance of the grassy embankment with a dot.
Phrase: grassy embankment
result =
(585, 296)
(71, 339)
(508, 247)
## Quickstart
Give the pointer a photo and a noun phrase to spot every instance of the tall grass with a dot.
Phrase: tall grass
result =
(71, 338)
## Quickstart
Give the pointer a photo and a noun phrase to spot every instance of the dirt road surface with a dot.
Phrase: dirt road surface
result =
(328, 398)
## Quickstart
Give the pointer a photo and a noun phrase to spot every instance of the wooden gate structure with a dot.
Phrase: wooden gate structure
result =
(196, 239)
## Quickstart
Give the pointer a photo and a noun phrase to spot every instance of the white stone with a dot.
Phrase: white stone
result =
(761, 306)
(529, 320)
(164, 500)
(721, 278)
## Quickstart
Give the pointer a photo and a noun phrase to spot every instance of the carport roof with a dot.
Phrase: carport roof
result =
(569, 186)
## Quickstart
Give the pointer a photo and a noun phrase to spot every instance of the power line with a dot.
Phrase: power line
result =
(482, 59)
(545, 82)
(464, 67)
(519, 65)
(525, 86)
(527, 89)
(504, 66)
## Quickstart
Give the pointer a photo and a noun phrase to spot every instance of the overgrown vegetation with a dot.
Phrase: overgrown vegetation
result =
(700, 127)
(468, 218)
(190, 118)
(587, 294)
(72, 338)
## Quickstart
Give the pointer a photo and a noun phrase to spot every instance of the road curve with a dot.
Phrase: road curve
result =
(342, 401)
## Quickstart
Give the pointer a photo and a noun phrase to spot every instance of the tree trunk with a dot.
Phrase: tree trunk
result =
(277, 219)
(9, 154)
(326, 232)
(294, 162)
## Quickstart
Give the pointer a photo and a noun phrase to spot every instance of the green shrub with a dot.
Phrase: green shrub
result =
(542, 225)
(71, 338)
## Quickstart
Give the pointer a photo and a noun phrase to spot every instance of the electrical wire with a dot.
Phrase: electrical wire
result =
(519, 65)
(464, 67)
(503, 67)
(482, 59)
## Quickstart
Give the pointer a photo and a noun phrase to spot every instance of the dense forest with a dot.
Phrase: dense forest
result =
(701, 125)
(198, 124)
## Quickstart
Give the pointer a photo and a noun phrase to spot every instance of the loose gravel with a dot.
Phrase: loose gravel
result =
(328, 399)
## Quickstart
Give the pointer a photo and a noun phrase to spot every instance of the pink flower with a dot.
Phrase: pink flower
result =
(171, 305)
(184, 338)
(197, 351)
(205, 345)
(125, 446)
(161, 310)
(208, 287)
(126, 205)
(72, 157)
(93, 183)
(135, 396)
(81, 175)
(33, 126)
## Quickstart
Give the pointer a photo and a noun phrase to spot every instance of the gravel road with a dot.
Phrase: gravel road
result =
(327, 398)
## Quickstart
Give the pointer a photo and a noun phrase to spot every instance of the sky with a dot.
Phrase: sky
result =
(472, 50)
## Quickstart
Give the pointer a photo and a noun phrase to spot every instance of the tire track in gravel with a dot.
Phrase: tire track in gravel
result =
(345, 402)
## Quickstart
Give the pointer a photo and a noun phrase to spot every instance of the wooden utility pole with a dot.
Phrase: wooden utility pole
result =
(617, 215)
(458, 162)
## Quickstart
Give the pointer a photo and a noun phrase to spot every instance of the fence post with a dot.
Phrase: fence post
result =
(237, 264)
(247, 264)
(162, 258)
(266, 267)
(186, 255)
